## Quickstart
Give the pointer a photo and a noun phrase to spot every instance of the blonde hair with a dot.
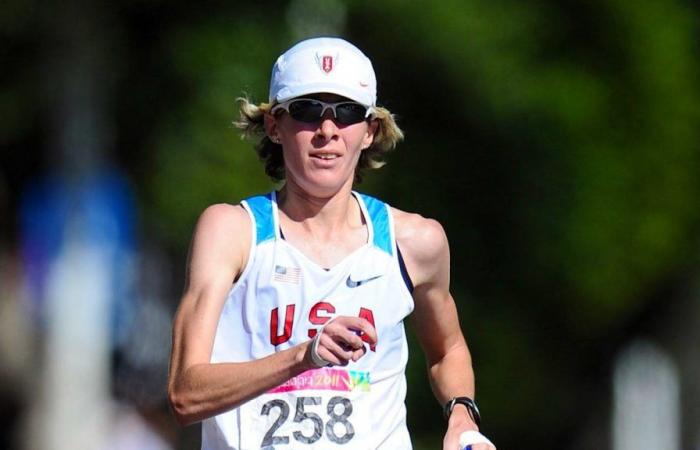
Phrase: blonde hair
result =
(251, 122)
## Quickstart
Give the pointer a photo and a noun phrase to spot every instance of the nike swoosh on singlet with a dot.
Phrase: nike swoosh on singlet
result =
(353, 284)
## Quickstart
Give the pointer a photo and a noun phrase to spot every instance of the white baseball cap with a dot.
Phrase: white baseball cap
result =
(324, 64)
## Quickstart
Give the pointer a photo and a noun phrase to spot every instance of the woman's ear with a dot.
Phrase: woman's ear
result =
(271, 128)
(372, 128)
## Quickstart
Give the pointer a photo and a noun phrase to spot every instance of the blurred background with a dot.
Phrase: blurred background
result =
(558, 142)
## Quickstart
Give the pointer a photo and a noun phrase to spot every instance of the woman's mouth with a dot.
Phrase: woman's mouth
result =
(325, 156)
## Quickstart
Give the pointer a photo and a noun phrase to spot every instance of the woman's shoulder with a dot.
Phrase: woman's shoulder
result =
(223, 226)
(221, 241)
(223, 215)
(420, 238)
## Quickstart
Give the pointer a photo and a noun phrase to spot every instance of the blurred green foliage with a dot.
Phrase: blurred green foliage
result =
(200, 155)
(556, 141)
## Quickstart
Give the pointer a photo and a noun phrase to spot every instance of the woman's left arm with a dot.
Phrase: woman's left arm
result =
(425, 249)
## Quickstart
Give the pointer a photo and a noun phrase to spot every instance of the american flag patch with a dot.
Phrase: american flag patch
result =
(287, 274)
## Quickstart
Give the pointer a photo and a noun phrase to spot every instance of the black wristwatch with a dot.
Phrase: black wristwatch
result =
(470, 405)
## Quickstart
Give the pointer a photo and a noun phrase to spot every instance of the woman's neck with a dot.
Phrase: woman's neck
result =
(317, 215)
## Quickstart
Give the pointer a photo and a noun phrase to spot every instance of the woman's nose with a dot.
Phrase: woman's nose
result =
(327, 127)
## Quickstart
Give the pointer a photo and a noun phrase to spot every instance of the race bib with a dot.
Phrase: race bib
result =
(319, 409)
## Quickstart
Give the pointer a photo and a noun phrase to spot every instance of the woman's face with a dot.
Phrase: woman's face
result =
(320, 158)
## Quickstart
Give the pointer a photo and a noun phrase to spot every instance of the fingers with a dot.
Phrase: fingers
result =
(359, 353)
(361, 327)
(341, 340)
(333, 352)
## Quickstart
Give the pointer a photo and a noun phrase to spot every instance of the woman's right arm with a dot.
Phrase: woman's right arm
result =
(198, 389)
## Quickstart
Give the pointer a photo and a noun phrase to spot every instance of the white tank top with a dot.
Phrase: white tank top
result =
(281, 299)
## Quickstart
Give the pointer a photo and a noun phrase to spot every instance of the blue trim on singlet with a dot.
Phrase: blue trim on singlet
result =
(261, 207)
(379, 216)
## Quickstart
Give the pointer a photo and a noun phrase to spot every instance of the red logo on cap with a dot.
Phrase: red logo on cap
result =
(327, 64)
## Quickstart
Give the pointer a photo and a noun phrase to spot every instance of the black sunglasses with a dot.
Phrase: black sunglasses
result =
(309, 110)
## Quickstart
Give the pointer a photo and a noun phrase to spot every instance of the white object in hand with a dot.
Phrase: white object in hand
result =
(472, 437)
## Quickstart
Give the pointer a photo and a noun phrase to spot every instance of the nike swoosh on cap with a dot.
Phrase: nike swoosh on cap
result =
(353, 284)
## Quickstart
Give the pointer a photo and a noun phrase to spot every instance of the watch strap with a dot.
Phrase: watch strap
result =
(468, 403)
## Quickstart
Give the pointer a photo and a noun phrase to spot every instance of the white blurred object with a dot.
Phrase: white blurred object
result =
(646, 409)
(76, 399)
(472, 437)
(73, 408)
(129, 431)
